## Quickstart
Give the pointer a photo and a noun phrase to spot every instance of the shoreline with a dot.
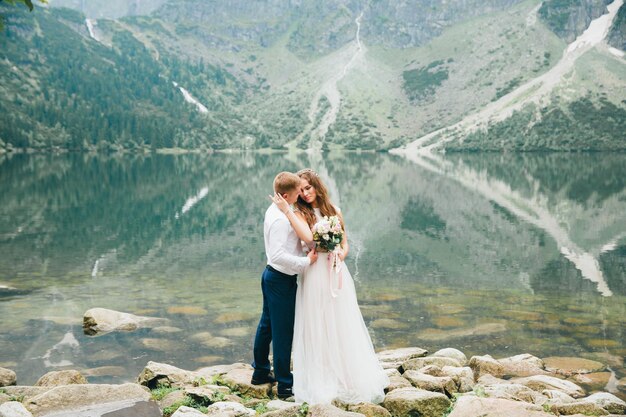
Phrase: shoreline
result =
(444, 383)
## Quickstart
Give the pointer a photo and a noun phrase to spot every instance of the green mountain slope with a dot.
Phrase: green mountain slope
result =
(337, 74)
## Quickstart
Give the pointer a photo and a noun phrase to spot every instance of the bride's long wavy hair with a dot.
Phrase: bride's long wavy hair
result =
(323, 200)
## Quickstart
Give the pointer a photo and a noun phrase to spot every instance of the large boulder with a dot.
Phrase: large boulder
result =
(482, 365)
(545, 382)
(206, 392)
(515, 392)
(209, 372)
(584, 407)
(464, 377)
(522, 365)
(409, 402)
(279, 405)
(396, 382)
(127, 408)
(609, 402)
(418, 363)
(488, 379)
(394, 358)
(68, 397)
(284, 412)
(14, 409)
(57, 378)
(369, 410)
(161, 374)
(7, 377)
(569, 366)
(98, 321)
(452, 353)
(185, 411)
(442, 384)
(25, 392)
(239, 380)
(473, 406)
(172, 398)
(557, 397)
(327, 410)
(230, 408)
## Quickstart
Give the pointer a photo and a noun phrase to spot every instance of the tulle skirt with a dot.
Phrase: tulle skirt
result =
(333, 355)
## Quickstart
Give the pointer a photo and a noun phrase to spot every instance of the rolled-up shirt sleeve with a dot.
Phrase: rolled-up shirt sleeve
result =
(278, 231)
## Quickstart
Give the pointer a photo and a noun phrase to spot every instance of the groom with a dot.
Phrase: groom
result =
(278, 284)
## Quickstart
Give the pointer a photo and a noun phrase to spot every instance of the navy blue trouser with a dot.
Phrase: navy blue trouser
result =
(276, 326)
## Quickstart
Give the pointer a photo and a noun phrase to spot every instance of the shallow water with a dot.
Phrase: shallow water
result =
(498, 254)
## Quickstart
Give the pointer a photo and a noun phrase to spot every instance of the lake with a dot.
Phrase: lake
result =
(495, 254)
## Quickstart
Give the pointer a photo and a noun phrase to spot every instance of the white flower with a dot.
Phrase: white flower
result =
(326, 237)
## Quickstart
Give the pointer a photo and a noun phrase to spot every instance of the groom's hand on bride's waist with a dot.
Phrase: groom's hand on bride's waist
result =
(312, 255)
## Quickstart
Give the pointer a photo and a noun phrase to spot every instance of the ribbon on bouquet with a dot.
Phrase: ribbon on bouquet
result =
(335, 273)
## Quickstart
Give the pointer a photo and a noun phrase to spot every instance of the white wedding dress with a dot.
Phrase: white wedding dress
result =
(333, 355)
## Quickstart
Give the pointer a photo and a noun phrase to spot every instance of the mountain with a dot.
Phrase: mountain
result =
(111, 9)
(335, 74)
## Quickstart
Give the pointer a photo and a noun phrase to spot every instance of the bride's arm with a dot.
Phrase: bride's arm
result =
(297, 221)
(345, 248)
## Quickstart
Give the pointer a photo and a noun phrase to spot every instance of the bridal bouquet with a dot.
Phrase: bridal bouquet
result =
(327, 233)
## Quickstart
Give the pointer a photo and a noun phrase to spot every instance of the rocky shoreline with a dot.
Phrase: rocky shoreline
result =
(444, 383)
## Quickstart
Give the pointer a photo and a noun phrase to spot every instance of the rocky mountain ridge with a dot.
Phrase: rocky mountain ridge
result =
(278, 70)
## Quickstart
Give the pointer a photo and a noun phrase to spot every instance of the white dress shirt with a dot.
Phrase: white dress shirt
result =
(282, 244)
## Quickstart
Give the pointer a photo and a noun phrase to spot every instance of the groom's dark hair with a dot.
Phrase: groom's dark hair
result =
(286, 182)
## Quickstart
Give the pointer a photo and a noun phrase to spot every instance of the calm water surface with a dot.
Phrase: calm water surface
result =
(498, 254)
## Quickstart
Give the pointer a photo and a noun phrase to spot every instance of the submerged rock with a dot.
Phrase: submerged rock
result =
(569, 366)
(594, 381)
(479, 330)
(545, 382)
(101, 321)
(187, 310)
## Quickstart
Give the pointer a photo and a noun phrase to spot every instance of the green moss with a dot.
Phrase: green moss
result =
(161, 392)
(187, 402)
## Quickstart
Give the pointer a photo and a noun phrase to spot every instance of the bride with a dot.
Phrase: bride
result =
(333, 355)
